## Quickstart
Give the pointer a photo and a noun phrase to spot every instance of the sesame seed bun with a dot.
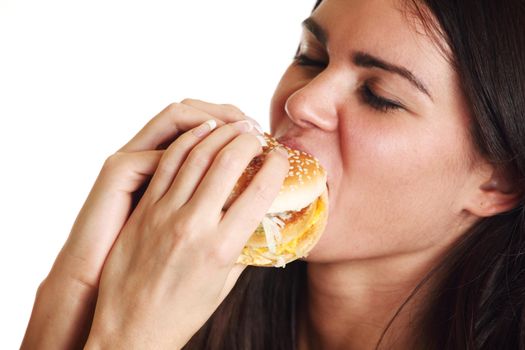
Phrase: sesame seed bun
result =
(299, 211)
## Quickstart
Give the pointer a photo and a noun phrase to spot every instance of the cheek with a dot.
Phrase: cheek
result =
(414, 168)
(413, 148)
(400, 187)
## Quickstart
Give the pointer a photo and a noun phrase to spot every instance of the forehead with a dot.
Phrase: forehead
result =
(385, 28)
(354, 19)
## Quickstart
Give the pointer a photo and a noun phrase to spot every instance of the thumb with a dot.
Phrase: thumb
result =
(231, 279)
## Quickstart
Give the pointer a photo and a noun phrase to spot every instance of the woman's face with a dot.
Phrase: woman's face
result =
(381, 109)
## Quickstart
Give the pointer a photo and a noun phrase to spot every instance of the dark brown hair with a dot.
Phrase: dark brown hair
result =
(477, 301)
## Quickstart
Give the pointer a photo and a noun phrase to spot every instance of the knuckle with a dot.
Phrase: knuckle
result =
(220, 254)
(231, 109)
(165, 166)
(113, 162)
(229, 158)
(188, 101)
(174, 108)
(171, 157)
(261, 192)
(198, 158)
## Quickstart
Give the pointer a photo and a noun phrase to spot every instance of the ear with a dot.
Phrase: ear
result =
(498, 194)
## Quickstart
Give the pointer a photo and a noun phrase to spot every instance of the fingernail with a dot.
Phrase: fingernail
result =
(243, 125)
(205, 128)
(281, 150)
(256, 125)
(262, 140)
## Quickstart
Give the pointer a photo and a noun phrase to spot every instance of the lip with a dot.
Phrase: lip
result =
(294, 144)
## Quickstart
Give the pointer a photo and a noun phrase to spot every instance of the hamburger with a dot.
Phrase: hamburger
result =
(297, 217)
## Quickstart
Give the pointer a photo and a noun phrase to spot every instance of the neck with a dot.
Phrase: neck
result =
(349, 304)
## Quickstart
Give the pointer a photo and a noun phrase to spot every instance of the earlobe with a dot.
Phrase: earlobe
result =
(497, 195)
(491, 203)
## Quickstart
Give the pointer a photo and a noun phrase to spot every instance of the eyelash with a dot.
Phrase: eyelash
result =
(369, 97)
(304, 60)
(379, 103)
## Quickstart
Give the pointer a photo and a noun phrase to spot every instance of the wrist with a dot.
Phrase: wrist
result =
(68, 274)
(106, 335)
(61, 315)
(63, 293)
(99, 339)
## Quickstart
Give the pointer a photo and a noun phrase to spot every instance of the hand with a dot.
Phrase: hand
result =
(174, 261)
(109, 202)
(66, 298)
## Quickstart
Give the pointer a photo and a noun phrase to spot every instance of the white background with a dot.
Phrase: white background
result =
(78, 79)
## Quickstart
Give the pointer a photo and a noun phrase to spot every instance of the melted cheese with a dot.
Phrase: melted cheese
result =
(290, 247)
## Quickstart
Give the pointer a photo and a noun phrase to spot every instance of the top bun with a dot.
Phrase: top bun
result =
(305, 182)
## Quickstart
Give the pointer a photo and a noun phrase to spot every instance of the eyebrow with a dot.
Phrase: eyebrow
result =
(363, 59)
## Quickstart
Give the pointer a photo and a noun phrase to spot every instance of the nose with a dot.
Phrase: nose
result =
(314, 105)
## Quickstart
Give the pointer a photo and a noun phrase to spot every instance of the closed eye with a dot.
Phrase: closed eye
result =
(303, 60)
(368, 96)
(377, 102)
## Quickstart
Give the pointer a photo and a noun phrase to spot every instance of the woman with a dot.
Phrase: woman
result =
(417, 111)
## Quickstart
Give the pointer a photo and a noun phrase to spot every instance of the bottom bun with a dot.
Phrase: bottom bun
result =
(297, 247)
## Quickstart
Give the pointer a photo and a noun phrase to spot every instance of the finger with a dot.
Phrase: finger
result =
(173, 158)
(217, 110)
(231, 279)
(125, 172)
(169, 123)
(226, 169)
(247, 211)
(105, 211)
(198, 162)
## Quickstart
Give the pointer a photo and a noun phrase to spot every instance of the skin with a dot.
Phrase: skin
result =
(404, 183)
(177, 249)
